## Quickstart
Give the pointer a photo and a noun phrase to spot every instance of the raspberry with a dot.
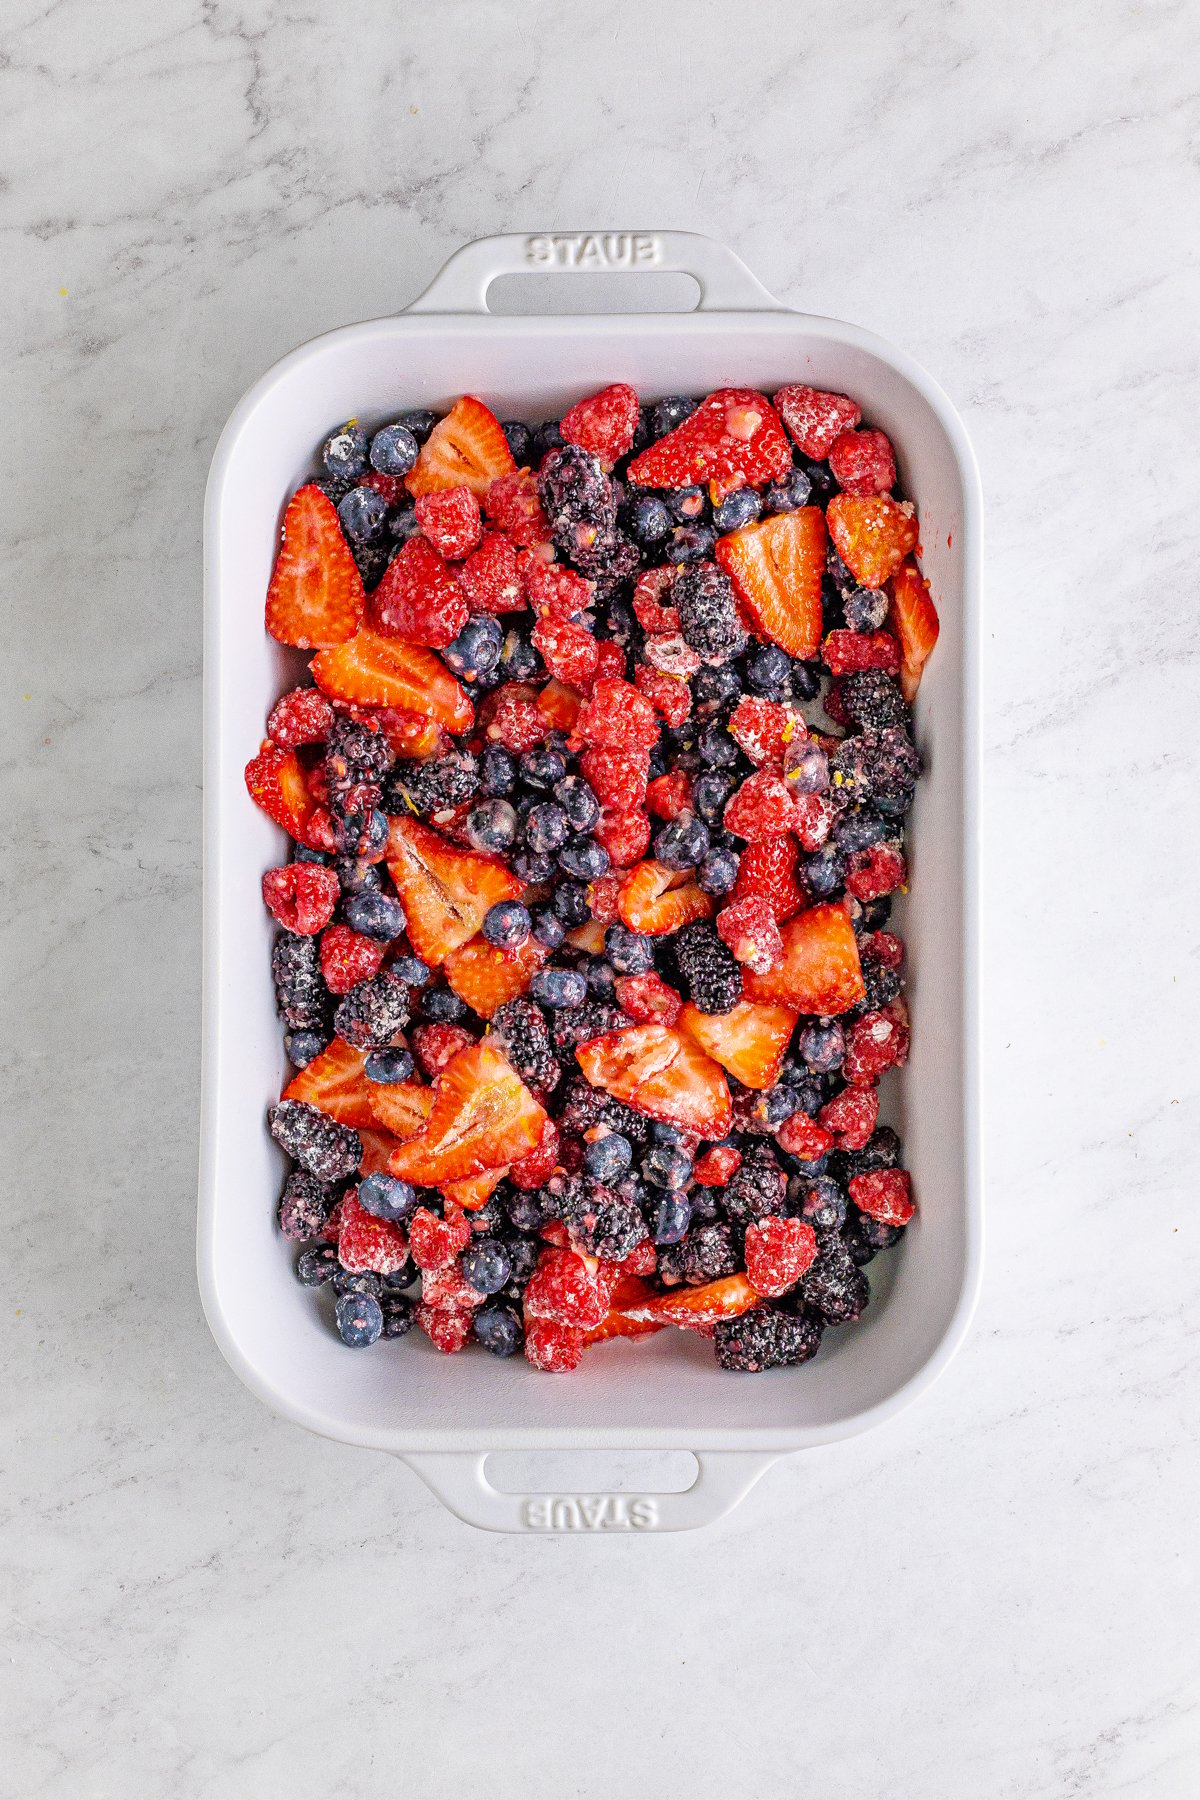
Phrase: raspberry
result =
(448, 1286)
(748, 927)
(450, 520)
(515, 720)
(651, 605)
(717, 1166)
(568, 651)
(333, 1224)
(391, 488)
(553, 1348)
(491, 578)
(668, 795)
(803, 1137)
(604, 424)
(669, 695)
(435, 1242)
(851, 1117)
(418, 598)
(762, 807)
(534, 1170)
(434, 1045)
(301, 717)
(648, 1000)
(814, 419)
(448, 1327)
(555, 591)
(834, 706)
(301, 896)
(885, 947)
(761, 728)
(617, 780)
(877, 1041)
(816, 815)
(642, 1259)
(347, 958)
(884, 1194)
(778, 1252)
(365, 1242)
(845, 651)
(768, 869)
(512, 504)
(617, 716)
(610, 661)
(602, 898)
(670, 654)
(567, 1288)
(872, 873)
(330, 1151)
(861, 462)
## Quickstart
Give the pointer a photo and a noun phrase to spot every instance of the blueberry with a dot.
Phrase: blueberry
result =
(860, 829)
(865, 609)
(824, 871)
(497, 772)
(559, 988)
(546, 828)
(667, 1134)
(419, 420)
(476, 649)
(375, 833)
(687, 504)
(499, 1330)
(533, 867)
(690, 543)
(519, 439)
(302, 853)
(518, 659)
(578, 802)
(822, 1044)
(355, 875)
(776, 1105)
(717, 749)
(344, 453)
(876, 913)
(709, 794)
(393, 450)
(682, 842)
(403, 525)
(713, 688)
(667, 1166)
(769, 672)
(666, 414)
(571, 902)
(375, 915)
(506, 924)
(672, 1218)
(302, 1046)
(315, 1266)
(525, 1210)
(486, 1265)
(388, 1066)
(806, 767)
(387, 1197)
(823, 1205)
(411, 970)
(492, 826)
(548, 929)
(606, 1159)
(649, 520)
(629, 952)
(547, 437)
(584, 858)
(542, 768)
(821, 476)
(363, 514)
(399, 1314)
(719, 871)
(357, 1281)
(795, 490)
(740, 508)
(442, 1006)
(601, 980)
(359, 1320)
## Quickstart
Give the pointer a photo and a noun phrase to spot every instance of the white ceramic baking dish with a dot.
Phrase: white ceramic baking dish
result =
(443, 1415)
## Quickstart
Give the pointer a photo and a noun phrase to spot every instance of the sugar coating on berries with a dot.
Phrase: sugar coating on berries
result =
(365, 1242)
(884, 1194)
(717, 1166)
(302, 717)
(762, 807)
(778, 1252)
(553, 1348)
(301, 896)
(815, 419)
(451, 520)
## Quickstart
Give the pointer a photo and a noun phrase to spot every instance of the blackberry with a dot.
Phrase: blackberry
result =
(758, 1189)
(833, 1286)
(714, 688)
(604, 555)
(519, 1029)
(576, 1024)
(304, 1207)
(892, 766)
(399, 1313)
(584, 1106)
(709, 1253)
(882, 1152)
(865, 1237)
(439, 784)
(373, 1012)
(371, 560)
(315, 1266)
(765, 1339)
(574, 490)
(710, 970)
(330, 1151)
(873, 700)
(303, 1000)
(881, 982)
(708, 614)
(355, 757)
(603, 1224)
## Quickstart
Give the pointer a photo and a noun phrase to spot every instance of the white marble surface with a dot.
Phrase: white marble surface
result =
(996, 1595)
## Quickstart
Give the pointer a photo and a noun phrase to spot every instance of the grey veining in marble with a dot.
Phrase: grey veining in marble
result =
(993, 1598)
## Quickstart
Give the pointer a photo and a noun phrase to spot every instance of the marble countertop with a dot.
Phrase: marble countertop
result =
(994, 1595)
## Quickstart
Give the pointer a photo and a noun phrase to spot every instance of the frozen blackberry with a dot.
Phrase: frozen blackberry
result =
(602, 1223)
(330, 1151)
(604, 556)
(765, 1339)
(399, 1312)
(303, 1000)
(711, 972)
(576, 1024)
(833, 1286)
(354, 755)
(439, 784)
(373, 1012)
(584, 1106)
(708, 614)
(892, 765)
(882, 982)
(865, 1237)
(304, 1207)
(574, 489)
(873, 700)
(758, 1189)
(708, 1253)
(519, 1029)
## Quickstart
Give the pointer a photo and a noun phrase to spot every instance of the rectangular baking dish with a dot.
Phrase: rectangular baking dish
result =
(442, 1414)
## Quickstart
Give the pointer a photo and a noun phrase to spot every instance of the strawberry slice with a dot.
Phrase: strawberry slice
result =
(334, 1081)
(657, 900)
(371, 670)
(776, 568)
(750, 1040)
(401, 1108)
(316, 596)
(409, 734)
(619, 1325)
(913, 617)
(559, 705)
(691, 1306)
(275, 781)
(660, 1072)
(732, 440)
(872, 534)
(768, 871)
(483, 1117)
(418, 599)
(445, 891)
(485, 977)
(465, 449)
(377, 1147)
(603, 424)
(589, 936)
(820, 971)
(473, 1191)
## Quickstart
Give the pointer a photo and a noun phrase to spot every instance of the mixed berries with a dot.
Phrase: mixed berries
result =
(597, 802)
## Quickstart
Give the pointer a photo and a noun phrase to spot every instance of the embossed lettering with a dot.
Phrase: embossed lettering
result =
(537, 1514)
(590, 1512)
(643, 1514)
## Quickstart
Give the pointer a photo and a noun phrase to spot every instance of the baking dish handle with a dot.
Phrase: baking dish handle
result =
(726, 284)
(459, 1479)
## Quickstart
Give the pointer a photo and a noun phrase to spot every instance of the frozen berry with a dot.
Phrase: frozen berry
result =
(344, 452)
(476, 649)
(713, 977)
(778, 1251)
(498, 1329)
(301, 896)
(330, 1151)
(507, 924)
(558, 988)
(387, 1197)
(375, 915)
(764, 1339)
(822, 1045)
(708, 613)
(388, 1066)
(748, 927)
(491, 826)
(359, 1320)
(394, 449)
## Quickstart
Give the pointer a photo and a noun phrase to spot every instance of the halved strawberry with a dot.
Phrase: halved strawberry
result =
(657, 900)
(768, 871)
(377, 1147)
(483, 1117)
(693, 1306)
(473, 1191)
(446, 891)
(750, 1040)
(316, 594)
(913, 617)
(604, 423)
(733, 439)
(401, 1107)
(660, 1072)
(465, 449)
(617, 1324)
(776, 568)
(418, 598)
(409, 734)
(275, 781)
(872, 534)
(372, 670)
(334, 1082)
(820, 971)
(486, 977)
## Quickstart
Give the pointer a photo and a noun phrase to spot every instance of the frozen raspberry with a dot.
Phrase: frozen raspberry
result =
(390, 488)
(814, 419)
(768, 869)
(347, 958)
(534, 1170)
(874, 872)
(553, 1348)
(602, 898)
(434, 1045)
(671, 655)
(619, 718)
(365, 1242)
(885, 947)
(448, 1327)
(610, 661)
(330, 1151)
(642, 1259)
(301, 896)
(554, 591)
(844, 651)
(669, 695)
(652, 600)
(568, 651)
(762, 728)
(512, 504)
(450, 520)
(851, 1117)
(816, 815)
(717, 1166)
(803, 1137)
(648, 1000)
(778, 1251)
(762, 807)
(668, 795)
(333, 1224)
(748, 927)
(625, 836)
(435, 1242)
(515, 720)
(567, 1288)
(301, 717)
(418, 598)
(877, 1041)
(491, 577)
(861, 462)
(884, 1194)
(616, 779)
(604, 424)
(448, 1286)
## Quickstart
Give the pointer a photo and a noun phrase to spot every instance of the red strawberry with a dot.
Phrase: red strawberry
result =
(872, 534)
(511, 716)
(616, 716)
(559, 705)
(451, 521)
(377, 1148)
(301, 896)
(663, 1074)
(750, 1040)
(486, 977)
(624, 834)
(365, 1242)
(669, 695)
(465, 449)
(512, 505)
(762, 728)
(483, 1116)
(750, 930)
(436, 1045)
(651, 600)
(861, 462)
(693, 1306)
(647, 999)
(316, 594)
(668, 795)
(815, 420)
(380, 671)
(778, 1251)
(301, 717)
(845, 651)
(535, 1170)
(776, 568)
(491, 577)
(553, 1348)
(820, 972)
(473, 1191)
(275, 781)
(884, 1194)
(554, 590)
(733, 439)
(768, 870)
(851, 1117)
(875, 872)
(616, 1324)
(717, 1166)
(568, 651)
(436, 1242)
(617, 780)
(446, 891)
(657, 900)
(334, 1082)
(875, 1042)
(762, 807)
(913, 617)
(401, 1107)
(605, 424)
(418, 598)
(347, 958)
(803, 1137)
